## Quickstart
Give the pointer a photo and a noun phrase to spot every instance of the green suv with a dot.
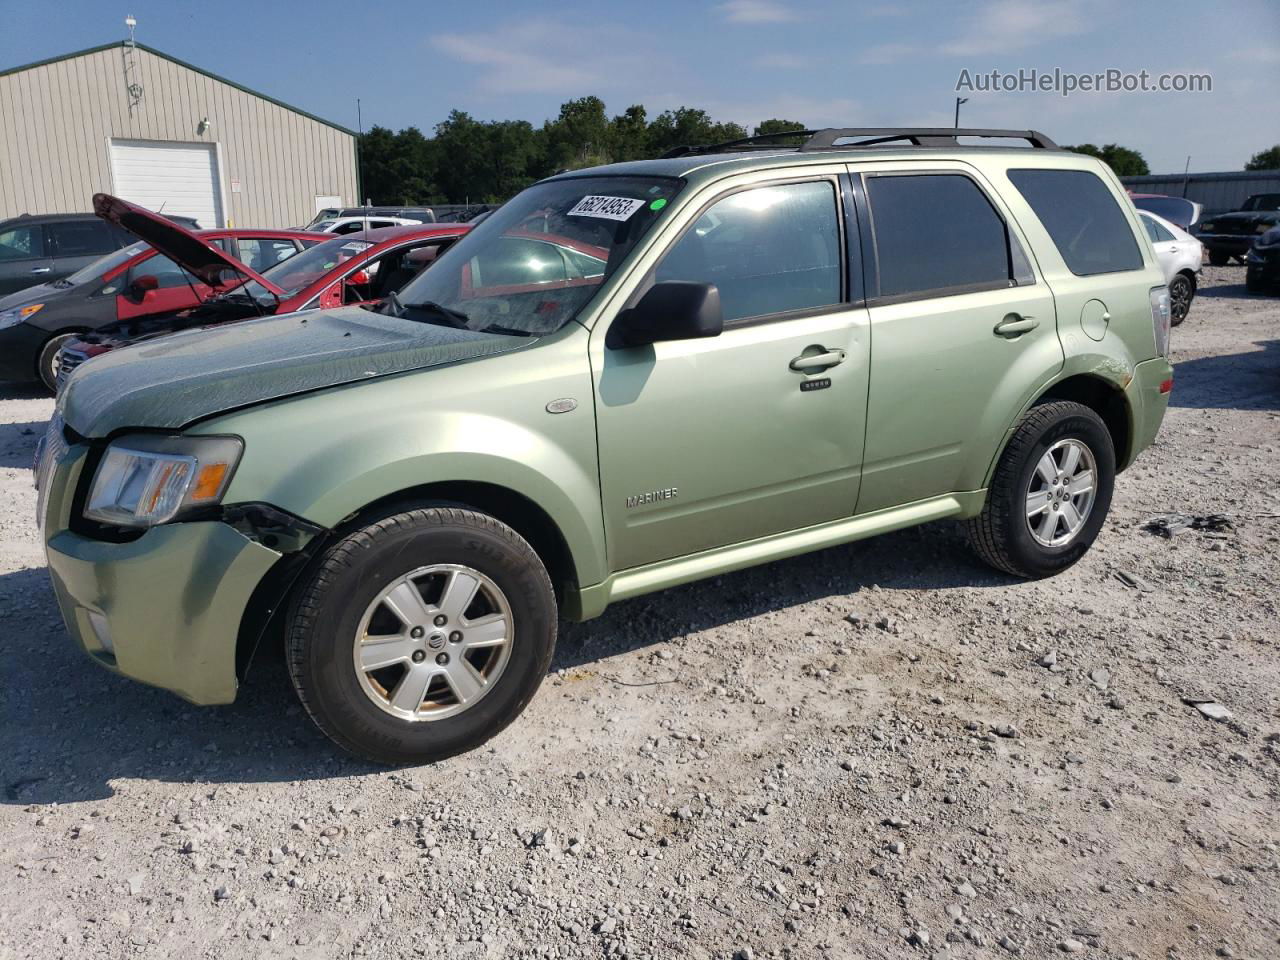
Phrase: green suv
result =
(626, 378)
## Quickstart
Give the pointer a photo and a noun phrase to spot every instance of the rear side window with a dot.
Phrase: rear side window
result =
(1157, 233)
(938, 234)
(769, 250)
(79, 238)
(1083, 219)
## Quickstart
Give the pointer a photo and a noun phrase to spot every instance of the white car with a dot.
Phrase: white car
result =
(354, 224)
(1180, 256)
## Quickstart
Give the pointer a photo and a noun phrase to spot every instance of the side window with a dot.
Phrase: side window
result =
(1086, 224)
(261, 253)
(938, 234)
(79, 238)
(769, 250)
(167, 273)
(21, 243)
(1157, 233)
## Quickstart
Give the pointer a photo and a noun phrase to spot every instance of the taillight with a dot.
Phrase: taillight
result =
(1160, 317)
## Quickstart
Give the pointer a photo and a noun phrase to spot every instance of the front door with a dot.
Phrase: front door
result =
(710, 442)
(175, 289)
(964, 330)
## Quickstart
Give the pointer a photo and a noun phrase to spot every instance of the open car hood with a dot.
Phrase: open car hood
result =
(177, 379)
(180, 245)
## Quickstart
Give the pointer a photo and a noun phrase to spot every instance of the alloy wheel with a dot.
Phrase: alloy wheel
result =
(1179, 299)
(434, 642)
(1061, 493)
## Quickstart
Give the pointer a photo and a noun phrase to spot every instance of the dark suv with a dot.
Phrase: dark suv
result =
(1227, 235)
(38, 249)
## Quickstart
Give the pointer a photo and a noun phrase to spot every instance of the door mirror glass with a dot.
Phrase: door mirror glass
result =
(670, 310)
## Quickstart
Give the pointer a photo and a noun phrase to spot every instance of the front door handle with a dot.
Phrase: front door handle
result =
(1015, 325)
(817, 361)
(43, 270)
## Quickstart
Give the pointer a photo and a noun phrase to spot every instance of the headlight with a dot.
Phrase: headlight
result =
(11, 318)
(1208, 227)
(147, 480)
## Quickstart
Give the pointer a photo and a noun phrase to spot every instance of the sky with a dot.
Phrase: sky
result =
(874, 63)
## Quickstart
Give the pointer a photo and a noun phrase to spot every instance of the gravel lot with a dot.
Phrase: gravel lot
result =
(879, 750)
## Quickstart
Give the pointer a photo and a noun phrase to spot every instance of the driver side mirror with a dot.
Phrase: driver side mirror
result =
(142, 286)
(670, 310)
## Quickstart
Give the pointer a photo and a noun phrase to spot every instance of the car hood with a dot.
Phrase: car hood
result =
(1243, 217)
(172, 381)
(42, 293)
(180, 245)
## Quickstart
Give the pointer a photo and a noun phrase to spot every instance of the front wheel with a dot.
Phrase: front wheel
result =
(422, 635)
(1181, 292)
(1050, 492)
(1218, 258)
(47, 363)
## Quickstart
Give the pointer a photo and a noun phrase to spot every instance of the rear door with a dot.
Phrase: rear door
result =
(77, 243)
(963, 329)
(23, 262)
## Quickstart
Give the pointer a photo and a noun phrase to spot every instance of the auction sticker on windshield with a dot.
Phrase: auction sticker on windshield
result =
(606, 208)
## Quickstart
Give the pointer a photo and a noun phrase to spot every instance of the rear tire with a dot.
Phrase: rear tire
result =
(457, 671)
(1181, 292)
(1042, 470)
(46, 365)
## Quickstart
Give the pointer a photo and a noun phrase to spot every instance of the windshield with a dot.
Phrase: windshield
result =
(532, 265)
(1174, 209)
(328, 213)
(1263, 201)
(304, 269)
(105, 264)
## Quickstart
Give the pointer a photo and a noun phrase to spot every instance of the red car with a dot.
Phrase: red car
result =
(131, 283)
(355, 268)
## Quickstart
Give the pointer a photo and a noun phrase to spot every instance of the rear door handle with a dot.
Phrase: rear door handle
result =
(817, 361)
(43, 270)
(1015, 325)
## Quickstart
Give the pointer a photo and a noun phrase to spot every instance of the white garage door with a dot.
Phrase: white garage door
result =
(179, 178)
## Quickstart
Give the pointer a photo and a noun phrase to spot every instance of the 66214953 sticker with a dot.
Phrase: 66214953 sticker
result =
(606, 208)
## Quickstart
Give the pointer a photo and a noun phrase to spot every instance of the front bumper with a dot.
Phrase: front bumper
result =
(1263, 266)
(20, 347)
(1234, 244)
(165, 608)
(1147, 403)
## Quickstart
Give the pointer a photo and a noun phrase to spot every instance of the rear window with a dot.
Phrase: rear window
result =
(937, 234)
(1083, 219)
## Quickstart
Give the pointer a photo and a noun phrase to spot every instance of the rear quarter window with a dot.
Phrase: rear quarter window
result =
(1083, 219)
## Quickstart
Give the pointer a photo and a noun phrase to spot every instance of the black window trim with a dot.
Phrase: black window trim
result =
(1142, 258)
(871, 254)
(836, 181)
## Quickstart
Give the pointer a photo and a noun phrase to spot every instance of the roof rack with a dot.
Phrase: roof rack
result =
(866, 137)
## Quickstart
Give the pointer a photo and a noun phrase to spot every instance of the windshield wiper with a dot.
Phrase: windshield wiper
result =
(509, 331)
(451, 317)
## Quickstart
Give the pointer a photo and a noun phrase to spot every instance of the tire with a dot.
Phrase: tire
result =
(1218, 258)
(338, 601)
(1253, 283)
(1001, 534)
(1181, 292)
(45, 364)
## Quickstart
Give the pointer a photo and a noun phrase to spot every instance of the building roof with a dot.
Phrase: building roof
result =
(182, 63)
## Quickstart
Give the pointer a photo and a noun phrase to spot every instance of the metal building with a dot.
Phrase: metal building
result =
(129, 120)
(1218, 192)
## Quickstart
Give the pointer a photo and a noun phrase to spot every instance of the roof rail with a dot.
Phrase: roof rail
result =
(868, 137)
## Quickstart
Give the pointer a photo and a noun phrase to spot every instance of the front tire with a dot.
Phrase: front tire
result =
(47, 363)
(1181, 293)
(1050, 493)
(1218, 258)
(422, 635)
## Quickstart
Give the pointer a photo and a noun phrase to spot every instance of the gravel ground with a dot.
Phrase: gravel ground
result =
(879, 750)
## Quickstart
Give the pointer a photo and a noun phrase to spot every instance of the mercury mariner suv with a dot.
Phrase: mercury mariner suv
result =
(625, 378)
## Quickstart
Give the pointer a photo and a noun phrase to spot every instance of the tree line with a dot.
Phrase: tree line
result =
(487, 161)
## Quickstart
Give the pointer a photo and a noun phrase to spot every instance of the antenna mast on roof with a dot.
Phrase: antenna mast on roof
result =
(132, 87)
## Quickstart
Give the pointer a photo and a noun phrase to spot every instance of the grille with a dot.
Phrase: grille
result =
(50, 450)
(68, 360)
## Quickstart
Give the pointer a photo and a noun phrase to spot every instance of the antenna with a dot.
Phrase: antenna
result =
(359, 183)
(131, 21)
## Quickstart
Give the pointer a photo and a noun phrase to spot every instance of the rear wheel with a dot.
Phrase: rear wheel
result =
(1050, 493)
(422, 635)
(47, 363)
(1181, 292)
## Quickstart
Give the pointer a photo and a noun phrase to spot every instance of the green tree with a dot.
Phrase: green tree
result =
(686, 126)
(579, 137)
(1123, 160)
(629, 134)
(1268, 159)
(781, 126)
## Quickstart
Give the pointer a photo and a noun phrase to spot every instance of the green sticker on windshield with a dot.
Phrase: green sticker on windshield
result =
(658, 204)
